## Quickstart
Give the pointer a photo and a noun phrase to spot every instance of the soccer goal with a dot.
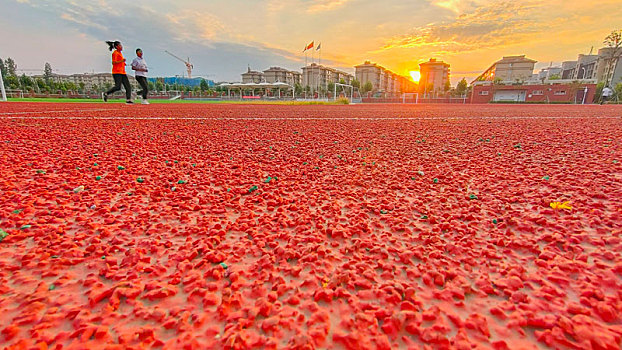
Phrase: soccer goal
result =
(345, 89)
(410, 97)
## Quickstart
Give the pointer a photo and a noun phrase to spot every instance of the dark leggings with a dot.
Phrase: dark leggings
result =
(143, 84)
(118, 80)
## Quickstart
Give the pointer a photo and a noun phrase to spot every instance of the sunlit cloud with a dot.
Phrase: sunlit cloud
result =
(452, 5)
(494, 25)
(326, 5)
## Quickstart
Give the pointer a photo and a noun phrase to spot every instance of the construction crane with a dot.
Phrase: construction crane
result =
(189, 65)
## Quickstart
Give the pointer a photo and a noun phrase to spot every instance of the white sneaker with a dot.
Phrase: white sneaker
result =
(144, 102)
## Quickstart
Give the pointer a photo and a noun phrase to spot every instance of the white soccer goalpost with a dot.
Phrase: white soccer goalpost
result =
(412, 95)
(2, 88)
(344, 88)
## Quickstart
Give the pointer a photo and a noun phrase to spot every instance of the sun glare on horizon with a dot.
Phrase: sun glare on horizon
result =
(415, 75)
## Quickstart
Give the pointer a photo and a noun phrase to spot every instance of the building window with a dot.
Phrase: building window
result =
(483, 93)
(560, 92)
(538, 92)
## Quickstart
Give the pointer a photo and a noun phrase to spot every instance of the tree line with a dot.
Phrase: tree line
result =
(45, 83)
(15, 81)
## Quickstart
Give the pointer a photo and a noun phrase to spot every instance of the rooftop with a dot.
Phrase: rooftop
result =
(514, 59)
(434, 62)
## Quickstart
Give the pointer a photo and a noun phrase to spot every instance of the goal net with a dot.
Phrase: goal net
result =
(343, 91)
(410, 97)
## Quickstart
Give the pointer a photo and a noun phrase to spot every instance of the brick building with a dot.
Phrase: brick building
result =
(545, 93)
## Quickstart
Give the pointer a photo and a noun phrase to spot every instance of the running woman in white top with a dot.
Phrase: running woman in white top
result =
(140, 67)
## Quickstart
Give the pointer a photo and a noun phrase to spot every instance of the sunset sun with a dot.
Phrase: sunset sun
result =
(415, 75)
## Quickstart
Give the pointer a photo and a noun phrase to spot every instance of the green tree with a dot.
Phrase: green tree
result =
(462, 87)
(355, 83)
(613, 42)
(26, 82)
(151, 86)
(342, 81)
(331, 86)
(11, 67)
(3, 69)
(81, 87)
(159, 86)
(40, 84)
(47, 72)
(368, 87)
(447, 86)
(204, 86)
(297, 89)
(618, 91)
(12, 82)
(555, 77)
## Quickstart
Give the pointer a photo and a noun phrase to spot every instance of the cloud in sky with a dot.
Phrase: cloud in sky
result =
(209, 41)
(224, 36)
(326, 5)
(471, 35)
(494, 25)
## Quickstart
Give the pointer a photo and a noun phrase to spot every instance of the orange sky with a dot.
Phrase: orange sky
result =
(224, 36)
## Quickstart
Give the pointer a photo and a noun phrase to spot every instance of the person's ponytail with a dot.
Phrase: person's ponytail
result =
(112, 44)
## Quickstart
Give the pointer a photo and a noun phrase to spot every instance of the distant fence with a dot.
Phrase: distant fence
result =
(16, 94)
(453, 100)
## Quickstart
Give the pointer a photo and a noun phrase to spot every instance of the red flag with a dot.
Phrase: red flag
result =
(310, 46)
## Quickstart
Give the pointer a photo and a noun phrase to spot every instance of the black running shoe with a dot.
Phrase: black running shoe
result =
(129, 102)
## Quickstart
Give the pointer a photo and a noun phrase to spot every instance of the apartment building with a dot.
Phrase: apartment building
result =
(434, 76)
(317, 77)
(383, 80)
(509, 69)
(550, 73)
(282, 75)
(609, 70)
(252, 76)
(568, 69)
(586, 67)
(91, 81)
